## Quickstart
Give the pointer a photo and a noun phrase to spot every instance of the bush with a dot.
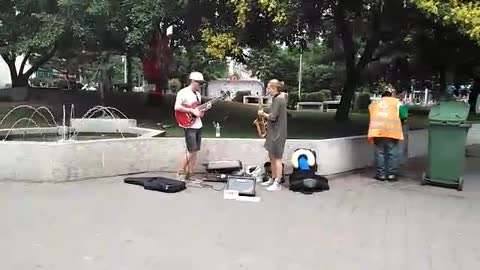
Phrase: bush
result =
(62, 84)
(239, 96)
(362, 101)
(174, 85)
(292, 101)
(327, 94)
(313, 97)
(418, 110)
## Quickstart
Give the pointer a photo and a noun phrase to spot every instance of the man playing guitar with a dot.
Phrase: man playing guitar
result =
(193, 133)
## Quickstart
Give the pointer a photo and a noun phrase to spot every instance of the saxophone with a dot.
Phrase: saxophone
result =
(261, 124)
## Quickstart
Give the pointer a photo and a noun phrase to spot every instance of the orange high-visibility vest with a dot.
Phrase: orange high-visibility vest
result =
(385, 119)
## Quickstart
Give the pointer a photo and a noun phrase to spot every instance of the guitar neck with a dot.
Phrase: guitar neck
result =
(204, 106)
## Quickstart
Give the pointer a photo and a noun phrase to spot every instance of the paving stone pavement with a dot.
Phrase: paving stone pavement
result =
(359, 224)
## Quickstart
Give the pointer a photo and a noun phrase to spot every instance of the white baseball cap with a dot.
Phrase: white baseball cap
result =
(196, 76)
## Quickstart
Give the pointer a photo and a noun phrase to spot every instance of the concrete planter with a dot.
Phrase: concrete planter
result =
(77, 160)
(17, 94)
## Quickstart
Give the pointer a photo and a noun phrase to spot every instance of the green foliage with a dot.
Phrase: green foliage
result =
(220, 45)
(45, 23)
(292, 101)
(248, 14)
(418, 110)
(327, 94)
(361, 101)
(277, 9)
(41, 29)
(464, 14)
(320, 70)
(274, 62)
(174, 85)
(194, 57)
(314, 97)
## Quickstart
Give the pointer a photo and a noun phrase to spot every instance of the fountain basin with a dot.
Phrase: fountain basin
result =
(79, 160)
(105, 125)
(80, 148)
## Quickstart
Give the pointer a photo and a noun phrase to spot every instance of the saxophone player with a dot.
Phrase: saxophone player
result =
(276, 133)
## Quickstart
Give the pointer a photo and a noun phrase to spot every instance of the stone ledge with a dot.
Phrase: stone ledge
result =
(77, 160)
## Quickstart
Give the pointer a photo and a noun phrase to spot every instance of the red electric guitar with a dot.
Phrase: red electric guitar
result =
(185, 120)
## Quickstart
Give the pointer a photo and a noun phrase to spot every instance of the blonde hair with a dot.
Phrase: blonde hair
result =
(278, 84)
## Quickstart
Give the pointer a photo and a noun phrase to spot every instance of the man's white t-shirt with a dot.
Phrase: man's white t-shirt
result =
(187, 97)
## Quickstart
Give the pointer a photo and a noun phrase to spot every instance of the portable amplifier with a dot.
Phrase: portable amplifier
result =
(245, 185)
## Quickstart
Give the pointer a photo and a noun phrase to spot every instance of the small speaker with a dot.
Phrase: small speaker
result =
(245, 185)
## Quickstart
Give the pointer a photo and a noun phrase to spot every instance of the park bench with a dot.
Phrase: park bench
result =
(305, 106)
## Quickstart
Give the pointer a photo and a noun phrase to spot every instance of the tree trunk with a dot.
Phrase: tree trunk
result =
(351, 74)
(101, 87)
(129, 72)
(443, 83)
(475, 92)
(349, 88)
(353, 69)
(20, 81)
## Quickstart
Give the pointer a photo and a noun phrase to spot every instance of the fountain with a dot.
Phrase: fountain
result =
(94, 145)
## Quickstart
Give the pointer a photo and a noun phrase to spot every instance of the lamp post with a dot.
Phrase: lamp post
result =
(300, 75)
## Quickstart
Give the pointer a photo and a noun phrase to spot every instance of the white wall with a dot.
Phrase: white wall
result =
(5, 80)
(214, 87)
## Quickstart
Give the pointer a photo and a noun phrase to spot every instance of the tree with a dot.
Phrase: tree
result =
(359, 28)
(145, 25)
(47, 26)
(193, 58)
(274, 62)
(368, 32)
(463, 13)
(322, 69)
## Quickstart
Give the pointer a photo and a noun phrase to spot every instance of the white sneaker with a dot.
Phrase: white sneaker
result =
(274, 187)
(267, 183)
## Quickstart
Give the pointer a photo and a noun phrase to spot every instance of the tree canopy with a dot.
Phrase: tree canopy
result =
(464, 14)
(363, 37)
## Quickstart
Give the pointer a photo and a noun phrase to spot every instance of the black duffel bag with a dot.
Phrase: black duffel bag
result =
(308, 182)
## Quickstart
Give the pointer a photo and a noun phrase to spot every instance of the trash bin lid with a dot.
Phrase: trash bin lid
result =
(449, 111)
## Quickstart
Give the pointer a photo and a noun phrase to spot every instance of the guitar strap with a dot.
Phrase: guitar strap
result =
(196, 96)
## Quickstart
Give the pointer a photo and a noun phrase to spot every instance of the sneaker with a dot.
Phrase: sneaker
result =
(181, 176)
(392, 178)
(274, 187)
(192, 178)
(267, 183)
(380, 178)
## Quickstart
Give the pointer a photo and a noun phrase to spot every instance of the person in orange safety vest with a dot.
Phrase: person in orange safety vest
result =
(385, 131)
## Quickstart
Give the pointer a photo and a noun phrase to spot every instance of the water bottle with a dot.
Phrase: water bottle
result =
(217, 131)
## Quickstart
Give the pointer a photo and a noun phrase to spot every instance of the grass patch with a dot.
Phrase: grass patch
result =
(236, 120)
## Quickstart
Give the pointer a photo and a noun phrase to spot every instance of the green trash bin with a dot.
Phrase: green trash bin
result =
(447, 135)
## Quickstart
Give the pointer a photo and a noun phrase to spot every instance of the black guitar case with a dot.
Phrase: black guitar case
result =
(161, 184)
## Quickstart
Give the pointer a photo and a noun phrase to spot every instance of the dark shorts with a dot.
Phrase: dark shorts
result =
(193, 138)
(275, 149)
